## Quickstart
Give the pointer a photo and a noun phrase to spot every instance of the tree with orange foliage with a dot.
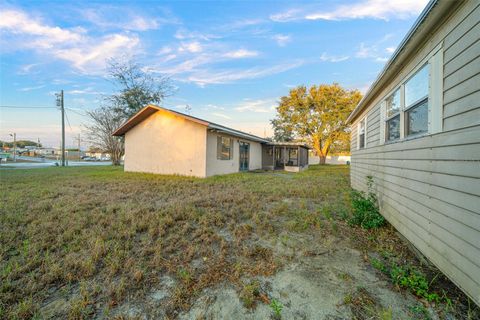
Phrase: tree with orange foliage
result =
(317, 116)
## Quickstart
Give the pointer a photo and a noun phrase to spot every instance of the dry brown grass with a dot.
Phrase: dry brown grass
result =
(94, 236)
(85, 241)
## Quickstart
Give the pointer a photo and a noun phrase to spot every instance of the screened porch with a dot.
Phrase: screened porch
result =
(288, 156)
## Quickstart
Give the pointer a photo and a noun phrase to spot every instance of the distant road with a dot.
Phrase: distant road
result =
(44, 162)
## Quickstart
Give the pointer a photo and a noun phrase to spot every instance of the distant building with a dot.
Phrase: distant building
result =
(164, 141)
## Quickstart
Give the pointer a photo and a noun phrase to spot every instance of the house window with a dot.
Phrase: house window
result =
(416, 103)
(224, 148)
(393, 116)
(361, 134)
(415, 107)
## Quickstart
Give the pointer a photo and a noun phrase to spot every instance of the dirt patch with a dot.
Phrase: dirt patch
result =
(312, 288)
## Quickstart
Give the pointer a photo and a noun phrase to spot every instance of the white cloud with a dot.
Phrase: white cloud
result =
(365, 51)
(328, 58)
(203, 77)
(241, 53)
(27, 68)
(370, 52)
(87, 54)
(220, 115)
(91, 57)
(213, 106)
(165, 50)
(282, 39)
(184, 34)
(381, 59)
(129, 21)
(362, 9)
(286, 16)
(32, 88)
(390, 50)
(243, 23)
(376, 9)
(257, 106)
(17, 22)
(88, 90)
(193, 47)
(115, 17)
(141, 24)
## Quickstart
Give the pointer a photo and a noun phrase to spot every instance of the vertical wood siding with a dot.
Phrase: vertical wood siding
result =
(429, 188)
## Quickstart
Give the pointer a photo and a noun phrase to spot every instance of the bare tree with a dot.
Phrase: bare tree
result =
(137, 87)
(104, 121)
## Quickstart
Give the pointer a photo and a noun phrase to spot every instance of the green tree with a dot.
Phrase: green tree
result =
(20, 143)
(137, 87)
(317, 115)
(281, 132)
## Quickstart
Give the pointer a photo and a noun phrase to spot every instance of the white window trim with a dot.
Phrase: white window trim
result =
(435, 97)
(364, 134)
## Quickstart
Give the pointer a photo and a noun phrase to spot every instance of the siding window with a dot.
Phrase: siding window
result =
(361, 134)
(393, 116)
(416, 103)
(224, 148)
(415, 107)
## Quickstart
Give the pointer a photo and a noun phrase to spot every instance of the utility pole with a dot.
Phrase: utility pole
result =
(62, 108)
(14, 135)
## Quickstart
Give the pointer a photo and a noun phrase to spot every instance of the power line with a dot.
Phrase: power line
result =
(23, 107)
(68, 121)
(76, 111)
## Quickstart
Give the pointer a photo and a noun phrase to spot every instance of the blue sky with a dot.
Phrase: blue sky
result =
(229, 61)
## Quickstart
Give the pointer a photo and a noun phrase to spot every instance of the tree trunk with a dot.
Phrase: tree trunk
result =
(116, 158)
(323, 159)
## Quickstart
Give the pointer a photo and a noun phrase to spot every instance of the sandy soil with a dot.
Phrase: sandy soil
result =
(317, 278)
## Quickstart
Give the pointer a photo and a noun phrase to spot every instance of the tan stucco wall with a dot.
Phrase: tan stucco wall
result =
(167, 144)
(215, 166)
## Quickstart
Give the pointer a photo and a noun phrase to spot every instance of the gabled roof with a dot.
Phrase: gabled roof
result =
(151, 109)
(433, 14)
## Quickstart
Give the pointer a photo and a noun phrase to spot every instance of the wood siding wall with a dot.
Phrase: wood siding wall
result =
(429, 187)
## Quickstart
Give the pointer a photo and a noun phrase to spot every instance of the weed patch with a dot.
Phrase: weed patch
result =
(365, 208)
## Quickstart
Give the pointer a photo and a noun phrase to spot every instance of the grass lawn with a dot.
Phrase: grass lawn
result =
(97, 242)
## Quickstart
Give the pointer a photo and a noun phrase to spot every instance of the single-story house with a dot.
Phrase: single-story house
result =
(159, 140)
(416, 133)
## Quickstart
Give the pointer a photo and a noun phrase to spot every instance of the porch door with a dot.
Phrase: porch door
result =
(244, 155)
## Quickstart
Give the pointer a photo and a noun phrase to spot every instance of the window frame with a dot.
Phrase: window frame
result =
(434, 97)
(220, 146)
(417, 103)
(410, 108)
(364, 120)
(397, 114)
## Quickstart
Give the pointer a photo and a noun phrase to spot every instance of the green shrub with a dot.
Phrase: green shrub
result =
(365, 208)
